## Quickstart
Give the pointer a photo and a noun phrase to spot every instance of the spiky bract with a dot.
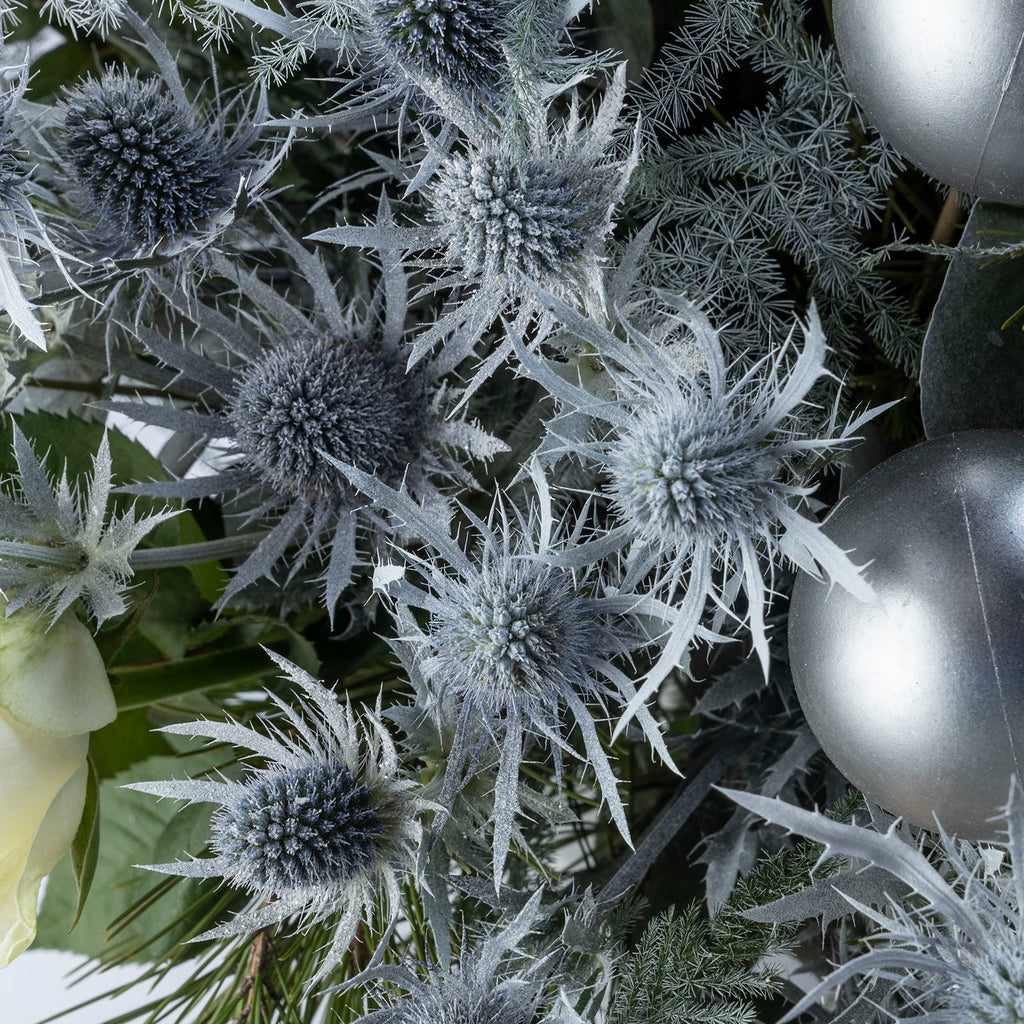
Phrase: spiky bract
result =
(455, 41)
(301, 387)
(61, 544)
(334, 395)
(329, 826)
(147, 170)
(950, 942)
(518, 651)
(704, 473)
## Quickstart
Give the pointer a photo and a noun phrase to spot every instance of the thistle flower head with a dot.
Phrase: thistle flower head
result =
(518, 650)
(299, 388)
(544, 216)
(299, 828)
(950, 941)
(334, 395)
(520, 634)
(532, 198)
(457, 42)
(490, 982)
(328, 827)
(146, 169)
(60, 544)
(704, 472)
(689, 474)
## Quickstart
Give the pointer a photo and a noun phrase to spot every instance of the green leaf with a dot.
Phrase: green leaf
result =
(151, 684)
(85, 847)
(128, 740)
(972, 366)
(112, 638)
(134, 829)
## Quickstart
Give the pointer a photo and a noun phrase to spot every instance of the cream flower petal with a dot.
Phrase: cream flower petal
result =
(44, 793)
(53, 680)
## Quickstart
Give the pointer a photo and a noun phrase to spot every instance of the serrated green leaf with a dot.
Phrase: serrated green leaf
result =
(85, 847)
(972, 366)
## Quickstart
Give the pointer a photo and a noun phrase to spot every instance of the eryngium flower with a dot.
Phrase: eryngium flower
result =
(546, 217)
(457, 42)
(328, 827)
(951, 946)
(523, 199)
(298, 387)
(60, 545)
(145, 167)
(705, 476)
(483, 986)
(518, 645)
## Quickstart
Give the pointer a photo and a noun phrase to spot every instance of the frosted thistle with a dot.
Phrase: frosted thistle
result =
(60, 544)
(950, 942)
(704, 474)
(518, 644)
(544, 217)
(523, 199)
(298, 386)
(457, 42)
(336, 395)
(147, 170)
(328, 827)
(486, 984)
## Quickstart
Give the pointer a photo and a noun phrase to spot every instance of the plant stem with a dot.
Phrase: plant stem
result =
(191, 554)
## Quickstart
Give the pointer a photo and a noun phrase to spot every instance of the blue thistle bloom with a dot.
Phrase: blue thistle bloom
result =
(299, 386)
(950, 943)
(543, 217)
(525, 198)
(703, 473)
(301, 828)
(457, 42)
(147, 170)
(336, 395)
(518, 649)
(486, 984)
(328, 827)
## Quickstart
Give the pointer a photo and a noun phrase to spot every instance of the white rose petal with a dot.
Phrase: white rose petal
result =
(53, 680)
(44, 783)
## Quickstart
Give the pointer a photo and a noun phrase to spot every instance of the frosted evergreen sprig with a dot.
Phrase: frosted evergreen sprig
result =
(519, 646)
(61, 543)
(326, 827)
(300, 385)
(953, 942)
(703, 472)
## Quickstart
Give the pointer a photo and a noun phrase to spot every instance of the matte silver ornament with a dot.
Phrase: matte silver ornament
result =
(919, 699)
(943, 81)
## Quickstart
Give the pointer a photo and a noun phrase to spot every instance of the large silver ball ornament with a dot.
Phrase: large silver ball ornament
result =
(919, 699)
(943, 81)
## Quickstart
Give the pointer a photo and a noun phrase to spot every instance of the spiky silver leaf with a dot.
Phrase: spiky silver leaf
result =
(61, 544)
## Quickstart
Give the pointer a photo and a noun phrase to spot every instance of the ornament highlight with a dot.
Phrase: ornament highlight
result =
(918, 699)
(943, 81)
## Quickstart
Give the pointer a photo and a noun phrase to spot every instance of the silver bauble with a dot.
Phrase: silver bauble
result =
(919, 699)
(943, 81)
